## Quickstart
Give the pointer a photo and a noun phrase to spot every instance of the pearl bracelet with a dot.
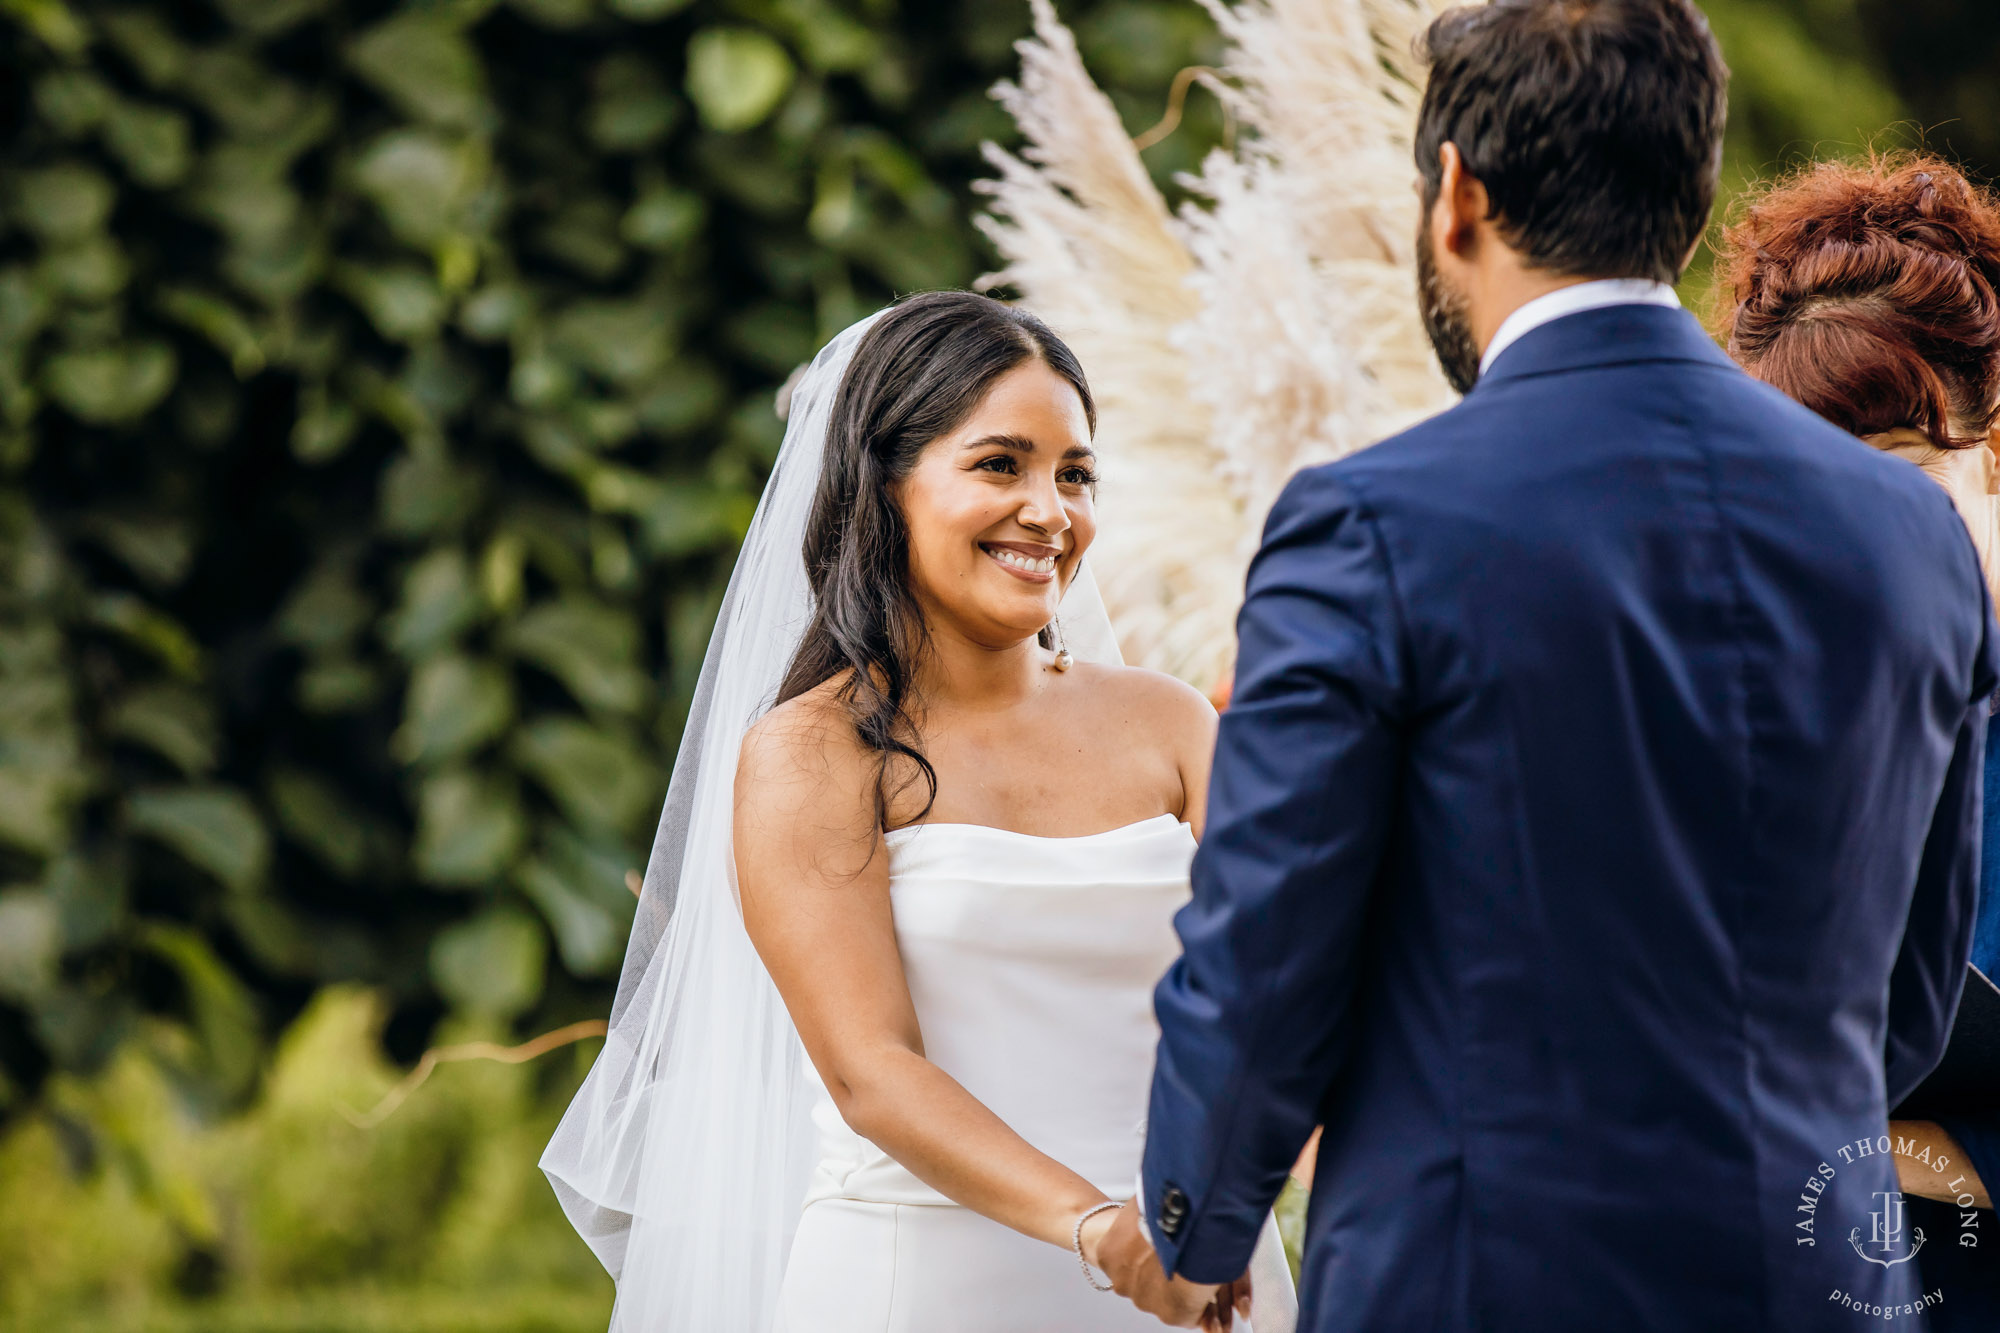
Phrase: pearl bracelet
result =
(1076, 1242)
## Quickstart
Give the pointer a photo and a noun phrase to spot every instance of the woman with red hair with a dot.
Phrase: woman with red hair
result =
(1871, 293)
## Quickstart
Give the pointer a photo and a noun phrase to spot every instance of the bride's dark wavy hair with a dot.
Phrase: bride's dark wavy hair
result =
(918, 373)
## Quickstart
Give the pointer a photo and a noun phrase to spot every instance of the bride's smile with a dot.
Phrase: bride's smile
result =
(999, 510)
(1025, 560)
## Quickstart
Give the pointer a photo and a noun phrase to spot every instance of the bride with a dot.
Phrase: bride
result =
(880, 1054)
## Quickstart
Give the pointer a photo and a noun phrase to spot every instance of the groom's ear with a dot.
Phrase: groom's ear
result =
(1462, 205)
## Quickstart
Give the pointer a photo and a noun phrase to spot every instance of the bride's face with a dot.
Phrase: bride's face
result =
(1000, 510)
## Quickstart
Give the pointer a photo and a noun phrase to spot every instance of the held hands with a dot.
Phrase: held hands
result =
(1114, 1244)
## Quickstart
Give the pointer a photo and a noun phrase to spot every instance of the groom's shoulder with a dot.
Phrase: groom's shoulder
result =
(1415, 459)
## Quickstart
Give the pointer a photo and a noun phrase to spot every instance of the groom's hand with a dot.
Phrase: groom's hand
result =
(1128, 1260)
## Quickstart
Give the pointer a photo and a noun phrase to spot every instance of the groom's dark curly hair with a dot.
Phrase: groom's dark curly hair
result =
(1595, 126)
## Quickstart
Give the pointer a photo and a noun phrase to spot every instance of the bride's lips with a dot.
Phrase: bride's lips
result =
(1031, 562)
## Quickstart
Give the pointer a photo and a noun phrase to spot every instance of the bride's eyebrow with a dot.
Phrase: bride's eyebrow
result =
(1018, 443)
(1022, 444)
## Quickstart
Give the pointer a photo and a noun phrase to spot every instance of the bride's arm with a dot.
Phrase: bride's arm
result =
(813, 874)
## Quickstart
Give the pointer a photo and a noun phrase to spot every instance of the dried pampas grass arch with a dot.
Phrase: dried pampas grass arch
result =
(1270, 324)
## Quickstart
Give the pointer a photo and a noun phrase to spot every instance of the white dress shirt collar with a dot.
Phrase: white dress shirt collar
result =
(1574, 301)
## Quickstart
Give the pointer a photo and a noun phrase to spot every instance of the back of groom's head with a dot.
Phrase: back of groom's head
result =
(1595, 126)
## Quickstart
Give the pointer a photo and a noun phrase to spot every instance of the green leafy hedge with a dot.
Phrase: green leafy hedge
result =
(383, 389)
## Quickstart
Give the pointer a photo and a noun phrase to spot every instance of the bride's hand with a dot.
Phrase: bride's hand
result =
(1231, 1299)
(1093, 1233)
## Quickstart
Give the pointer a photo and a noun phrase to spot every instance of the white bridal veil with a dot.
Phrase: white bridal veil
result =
(684, 1159)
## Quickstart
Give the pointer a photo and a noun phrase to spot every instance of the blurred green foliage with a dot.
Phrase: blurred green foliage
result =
(383, 389)
(384, 386)
(436, 1219)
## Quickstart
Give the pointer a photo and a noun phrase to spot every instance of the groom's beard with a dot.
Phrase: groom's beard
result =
(1446, 319)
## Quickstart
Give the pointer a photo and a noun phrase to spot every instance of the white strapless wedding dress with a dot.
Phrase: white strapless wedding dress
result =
(1031, 962)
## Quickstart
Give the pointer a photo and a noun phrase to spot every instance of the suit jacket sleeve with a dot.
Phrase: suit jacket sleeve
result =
(1937, 939)
(1252, 1015)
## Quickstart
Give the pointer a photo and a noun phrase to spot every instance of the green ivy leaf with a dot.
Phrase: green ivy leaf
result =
(214, 828)
(24, 305)
(152, 141)
(469, 829)
(492, 965)
(598, 778)
(642, 10)
(422, 182)
(580, 890)
(30, 944)
(664, 218)
(621, 341)
(53, 23)
(426, 492)
(455, 704)
(342, 837)
(170, 720)
(149, 628)
(338, 686)
(584, 236)
(89, 894)
(147, 40)
(687, 393)
(495, 311)
(632, 107)
(421, 61)
(91, 269)
(157, 548)
(439, 601)
(326, 609)
(108, 385)
(62, 202)
(267, 18)
(832, 42)
(72, 101)
(736, 77)
(401, 300)
(216, 320)
(224, 1015)
(325, 425)
(592, 648)
(82, 1028)
(41, 774)
(244, 93)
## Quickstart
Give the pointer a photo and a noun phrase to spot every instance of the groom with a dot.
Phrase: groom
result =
(1592, 841)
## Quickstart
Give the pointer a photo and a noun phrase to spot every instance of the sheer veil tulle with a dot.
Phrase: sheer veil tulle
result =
(684, 1159)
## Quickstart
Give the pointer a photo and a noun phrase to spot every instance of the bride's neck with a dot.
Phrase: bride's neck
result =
(957, 673)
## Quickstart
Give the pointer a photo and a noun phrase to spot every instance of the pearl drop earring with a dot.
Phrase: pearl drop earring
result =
(1063, 660)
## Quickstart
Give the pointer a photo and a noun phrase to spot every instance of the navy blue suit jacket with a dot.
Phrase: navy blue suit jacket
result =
(1591, 849)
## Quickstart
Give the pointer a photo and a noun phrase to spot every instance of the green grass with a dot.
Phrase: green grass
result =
(295, 1219)
(355, 1310)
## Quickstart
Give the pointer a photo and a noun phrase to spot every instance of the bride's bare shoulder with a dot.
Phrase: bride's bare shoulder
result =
(804, 755)
(1153, 694)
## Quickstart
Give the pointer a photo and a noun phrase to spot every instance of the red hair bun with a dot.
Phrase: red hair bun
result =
(1868, 293)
